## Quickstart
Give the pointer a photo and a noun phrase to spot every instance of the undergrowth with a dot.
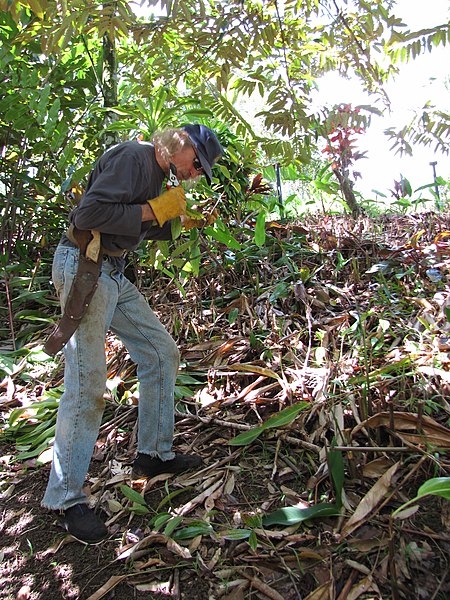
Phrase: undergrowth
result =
(314, 383)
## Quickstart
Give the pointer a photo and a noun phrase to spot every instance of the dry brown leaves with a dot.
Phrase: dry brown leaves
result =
(353, 334)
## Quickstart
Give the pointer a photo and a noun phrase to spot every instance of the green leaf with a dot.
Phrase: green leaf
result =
(235, 534)
(176, 227)
(253, 541)
(234, 312)
(337, 471)
(224, 237)
(172, 525)
(292, 515)
(132, 495)
(447, 313)
(167, 499)
(193, 530)
(247, 437)
(260, 229)
(284, 417)
(438, 486)
(159, 520)
(139, 509)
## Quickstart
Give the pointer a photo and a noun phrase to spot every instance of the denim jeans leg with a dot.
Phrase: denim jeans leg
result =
(157, 358)
(82, 403)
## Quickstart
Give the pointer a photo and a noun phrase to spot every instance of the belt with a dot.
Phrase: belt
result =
(70, 233)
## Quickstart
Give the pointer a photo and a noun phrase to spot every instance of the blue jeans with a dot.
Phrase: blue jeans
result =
(118, 306)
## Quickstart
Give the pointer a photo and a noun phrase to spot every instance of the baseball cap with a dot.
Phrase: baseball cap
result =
(207, 146)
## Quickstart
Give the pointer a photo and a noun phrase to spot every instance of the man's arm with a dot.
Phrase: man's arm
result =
(147, 213)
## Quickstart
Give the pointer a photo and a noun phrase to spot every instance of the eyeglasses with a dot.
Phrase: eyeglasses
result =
(197, 164)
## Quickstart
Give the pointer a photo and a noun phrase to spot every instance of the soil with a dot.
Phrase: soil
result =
(41, 562)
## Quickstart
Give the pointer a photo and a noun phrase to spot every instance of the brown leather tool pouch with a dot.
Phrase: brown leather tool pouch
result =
(80, 295)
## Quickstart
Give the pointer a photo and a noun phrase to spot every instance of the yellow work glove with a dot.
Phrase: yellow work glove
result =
(168, 205)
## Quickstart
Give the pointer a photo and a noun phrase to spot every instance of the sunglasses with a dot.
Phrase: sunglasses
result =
(197, 164)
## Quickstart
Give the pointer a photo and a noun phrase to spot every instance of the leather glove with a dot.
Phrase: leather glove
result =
(168, 205)
(208, 219)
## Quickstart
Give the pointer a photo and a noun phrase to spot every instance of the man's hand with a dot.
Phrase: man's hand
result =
(168, 205)
(207, 219)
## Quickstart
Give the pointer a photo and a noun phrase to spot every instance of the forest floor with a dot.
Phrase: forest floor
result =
(348, 319)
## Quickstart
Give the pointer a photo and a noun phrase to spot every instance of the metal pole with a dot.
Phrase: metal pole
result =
(436, 187)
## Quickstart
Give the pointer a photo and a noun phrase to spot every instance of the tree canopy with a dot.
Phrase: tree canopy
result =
(213, 55)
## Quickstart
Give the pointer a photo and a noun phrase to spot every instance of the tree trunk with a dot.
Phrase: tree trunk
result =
(109, 85)
(347, 190)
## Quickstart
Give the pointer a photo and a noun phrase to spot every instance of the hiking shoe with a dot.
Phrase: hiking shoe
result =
(149, 466)
(82, 522)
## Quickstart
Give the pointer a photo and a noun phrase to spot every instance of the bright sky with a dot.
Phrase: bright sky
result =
(427, 78)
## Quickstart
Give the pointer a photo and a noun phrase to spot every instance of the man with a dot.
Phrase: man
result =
(124, 203)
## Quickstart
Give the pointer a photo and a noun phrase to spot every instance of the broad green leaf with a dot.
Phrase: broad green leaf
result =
(247, 437)
(235, 534)
(139, 509)
(224, 237)
(438, 486)
(234, 313)
(172, 525)
(176, 227)
(35, 452)
(284, 417)
(292, 515)
(167, 499)
(260, 229)
(6, 365)
(132, 495)
(159, 520)
(192, 531)
(253, 541)
(337, 472)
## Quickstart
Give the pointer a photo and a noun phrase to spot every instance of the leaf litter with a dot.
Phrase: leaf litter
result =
(315, 385)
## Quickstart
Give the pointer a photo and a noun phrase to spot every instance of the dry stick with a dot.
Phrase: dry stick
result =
(402, 483)
(242, 427)
(117, 421)
(391, 420)
(444, 578)
(375, 449)
(392, 567)
(348, 585)
(433, 536)
(264, 588)
(290, 464)
(283, 562)
(415, 448)
(10, 312)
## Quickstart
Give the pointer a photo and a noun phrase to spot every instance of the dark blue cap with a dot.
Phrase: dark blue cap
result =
(207, 146)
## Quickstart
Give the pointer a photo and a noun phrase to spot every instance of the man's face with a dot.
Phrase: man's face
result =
(187, 164)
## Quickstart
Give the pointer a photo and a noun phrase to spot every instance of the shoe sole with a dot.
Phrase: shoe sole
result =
(86, 543)
(80, 539)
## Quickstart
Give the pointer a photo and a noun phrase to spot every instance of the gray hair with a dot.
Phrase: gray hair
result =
(170, 141)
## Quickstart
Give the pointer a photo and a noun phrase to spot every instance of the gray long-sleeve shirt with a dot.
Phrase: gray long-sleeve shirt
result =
(123, 179)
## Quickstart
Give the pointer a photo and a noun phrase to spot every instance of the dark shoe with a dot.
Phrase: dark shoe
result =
(148, 466)
(82, 522)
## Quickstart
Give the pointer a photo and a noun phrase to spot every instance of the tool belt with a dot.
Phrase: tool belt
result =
(82, 290)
